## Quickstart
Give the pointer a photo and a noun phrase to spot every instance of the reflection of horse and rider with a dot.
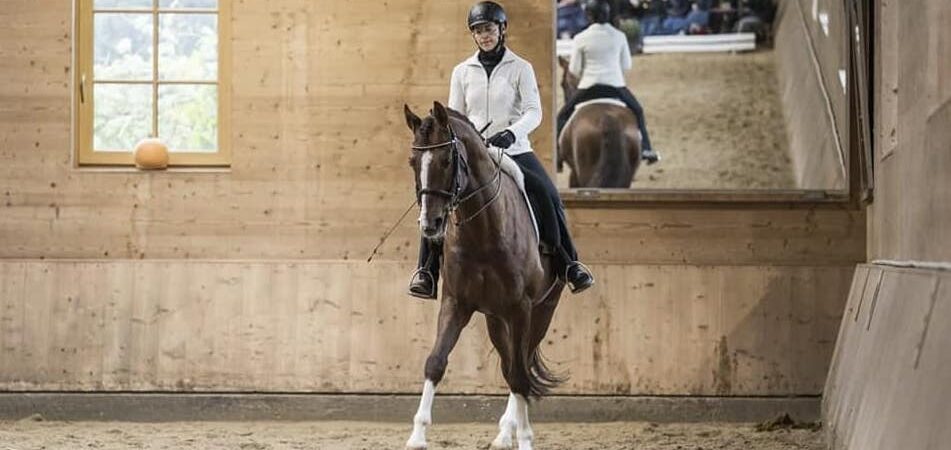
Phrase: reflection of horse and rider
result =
(601, 145)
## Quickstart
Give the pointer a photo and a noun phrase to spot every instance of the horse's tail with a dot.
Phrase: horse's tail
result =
(541, 379)
(613, 168)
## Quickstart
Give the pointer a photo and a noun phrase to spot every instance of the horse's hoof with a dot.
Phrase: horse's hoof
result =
(410, 445)
(501, 445)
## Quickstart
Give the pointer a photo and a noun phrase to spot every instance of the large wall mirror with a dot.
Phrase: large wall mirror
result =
(738, 96)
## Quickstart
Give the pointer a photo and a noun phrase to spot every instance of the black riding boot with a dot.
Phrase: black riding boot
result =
(647, 151)
(426, 278)
(553, 225)
(576, 274)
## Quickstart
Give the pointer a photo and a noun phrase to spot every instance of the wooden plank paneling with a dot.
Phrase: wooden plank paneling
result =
(319, 166)
(279, 298)
(887, 389)
(348, 327)
(911, 212)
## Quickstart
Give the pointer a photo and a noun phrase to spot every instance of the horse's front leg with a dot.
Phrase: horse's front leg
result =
(452, 319)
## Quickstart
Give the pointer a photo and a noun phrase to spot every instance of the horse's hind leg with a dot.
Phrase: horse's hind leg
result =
(519, 376)
(452, 319)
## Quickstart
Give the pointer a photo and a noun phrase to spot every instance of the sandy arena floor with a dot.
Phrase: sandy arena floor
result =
(31, 434)
(716, 119)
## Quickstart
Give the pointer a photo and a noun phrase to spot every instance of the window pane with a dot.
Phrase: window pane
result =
(188, 47)
(130, 4)
(123, 47)
(209, 4)
(123, 116)
(188, 117)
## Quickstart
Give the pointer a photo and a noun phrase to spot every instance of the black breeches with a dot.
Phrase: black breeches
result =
(553, 225)
(604, 91)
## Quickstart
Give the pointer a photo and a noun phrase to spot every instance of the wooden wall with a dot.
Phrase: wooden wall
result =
(889, 387)
(814, 103)
(911, 216)
(254, 278)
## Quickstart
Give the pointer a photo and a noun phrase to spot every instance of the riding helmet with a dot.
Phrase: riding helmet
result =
(483, 12)
(599, 11)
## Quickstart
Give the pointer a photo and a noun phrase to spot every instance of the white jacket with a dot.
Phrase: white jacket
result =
(509, 99)
(600, 56)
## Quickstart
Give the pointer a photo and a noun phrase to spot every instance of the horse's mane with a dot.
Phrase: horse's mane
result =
(463, 118)
(428, 123)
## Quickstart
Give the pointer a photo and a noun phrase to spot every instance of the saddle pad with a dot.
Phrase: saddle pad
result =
(597, 101)
(511, 168)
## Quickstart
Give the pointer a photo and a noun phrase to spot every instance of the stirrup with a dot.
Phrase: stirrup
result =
(576, 289)
(419, 293)
(650, 156)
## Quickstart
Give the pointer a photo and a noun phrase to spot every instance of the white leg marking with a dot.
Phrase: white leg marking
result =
(524, 432)
(423, 418)
(506, 426)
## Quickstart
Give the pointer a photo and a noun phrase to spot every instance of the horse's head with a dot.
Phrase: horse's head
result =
(569, 81)
(438, 160)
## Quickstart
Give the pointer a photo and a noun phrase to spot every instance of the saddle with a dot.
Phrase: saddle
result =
(597, 101)
(511, 168)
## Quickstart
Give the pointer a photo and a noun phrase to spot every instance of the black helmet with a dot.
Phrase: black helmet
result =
(599, 11)
(483, 12)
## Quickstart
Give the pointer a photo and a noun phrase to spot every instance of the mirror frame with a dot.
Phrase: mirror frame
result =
(850, 130)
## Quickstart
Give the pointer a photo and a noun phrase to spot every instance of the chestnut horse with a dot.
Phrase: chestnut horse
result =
(491, 264)
(601, 144)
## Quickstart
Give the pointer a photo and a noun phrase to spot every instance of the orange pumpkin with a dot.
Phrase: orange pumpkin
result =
(151, 154)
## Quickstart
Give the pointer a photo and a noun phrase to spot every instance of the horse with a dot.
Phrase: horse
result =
(601, 144)
(491, 265)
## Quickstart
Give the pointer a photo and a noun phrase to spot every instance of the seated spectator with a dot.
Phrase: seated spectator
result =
(756, 16)
(694, 21)
(571, 19)
(698, 20)
(651, 14)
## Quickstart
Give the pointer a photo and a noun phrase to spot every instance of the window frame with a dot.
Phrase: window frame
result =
(84, 91)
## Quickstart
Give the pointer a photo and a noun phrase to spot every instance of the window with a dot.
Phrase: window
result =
(152, 68)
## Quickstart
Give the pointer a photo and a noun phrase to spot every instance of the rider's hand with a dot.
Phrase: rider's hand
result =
(503, 139)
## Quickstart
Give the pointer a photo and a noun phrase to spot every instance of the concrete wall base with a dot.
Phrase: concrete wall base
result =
(163, 407)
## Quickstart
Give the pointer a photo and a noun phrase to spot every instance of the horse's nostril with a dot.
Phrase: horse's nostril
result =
(437, 222)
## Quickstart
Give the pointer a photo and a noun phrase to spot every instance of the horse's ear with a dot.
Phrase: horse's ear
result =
(439, 112)
(412, 120)
(563, 62)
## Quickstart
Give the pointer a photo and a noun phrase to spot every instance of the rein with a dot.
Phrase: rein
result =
(454, 200)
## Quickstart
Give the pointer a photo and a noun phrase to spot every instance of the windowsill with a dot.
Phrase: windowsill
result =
(131, 169)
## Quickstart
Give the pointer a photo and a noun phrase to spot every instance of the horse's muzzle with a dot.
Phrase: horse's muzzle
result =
(433, 228)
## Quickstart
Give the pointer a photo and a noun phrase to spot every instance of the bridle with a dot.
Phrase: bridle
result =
(460, 179)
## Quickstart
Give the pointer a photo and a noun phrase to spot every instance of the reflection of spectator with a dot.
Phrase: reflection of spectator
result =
(652, 17)
(696, 21)
(756, 16)
(571, 18)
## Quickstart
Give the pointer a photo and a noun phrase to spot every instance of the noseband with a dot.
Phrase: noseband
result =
(460, 177)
